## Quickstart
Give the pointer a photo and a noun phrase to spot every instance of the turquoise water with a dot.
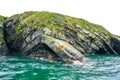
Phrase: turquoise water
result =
(96, 67)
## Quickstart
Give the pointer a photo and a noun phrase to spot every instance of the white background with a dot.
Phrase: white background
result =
(103, 12)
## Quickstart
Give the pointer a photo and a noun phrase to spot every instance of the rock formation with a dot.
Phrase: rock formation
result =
(3, 47)
(57, 37)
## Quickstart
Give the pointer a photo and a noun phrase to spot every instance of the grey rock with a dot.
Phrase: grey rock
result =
(66, 42)
(3, 47)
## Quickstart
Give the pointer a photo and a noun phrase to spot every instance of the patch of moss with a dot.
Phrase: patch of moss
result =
(1, 40)
(2, 20)
(19, 30)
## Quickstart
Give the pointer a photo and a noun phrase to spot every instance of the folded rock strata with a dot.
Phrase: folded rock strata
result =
(57, 37)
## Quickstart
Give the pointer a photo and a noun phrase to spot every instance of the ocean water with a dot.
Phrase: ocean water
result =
(95, 67)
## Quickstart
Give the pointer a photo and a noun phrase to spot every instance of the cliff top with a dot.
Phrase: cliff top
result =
(54, 21)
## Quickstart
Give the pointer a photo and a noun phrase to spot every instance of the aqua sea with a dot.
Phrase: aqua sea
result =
(95, 67)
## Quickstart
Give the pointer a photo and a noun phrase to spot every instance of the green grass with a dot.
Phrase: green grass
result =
(54, 21)
(2, 20)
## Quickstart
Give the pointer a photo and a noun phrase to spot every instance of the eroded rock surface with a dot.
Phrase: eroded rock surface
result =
(3, 48)
(57, 37)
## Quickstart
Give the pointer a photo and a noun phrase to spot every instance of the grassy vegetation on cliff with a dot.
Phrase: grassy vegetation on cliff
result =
(54, 21)
(2, 20)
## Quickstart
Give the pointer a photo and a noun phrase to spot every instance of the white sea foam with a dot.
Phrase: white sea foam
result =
(77, 63)
(85, 64)
(7, 73)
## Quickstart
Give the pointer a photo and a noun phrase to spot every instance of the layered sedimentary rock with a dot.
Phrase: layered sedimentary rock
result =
(57, 37)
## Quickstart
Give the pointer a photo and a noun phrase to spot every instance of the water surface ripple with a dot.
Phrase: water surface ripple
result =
(96, 67)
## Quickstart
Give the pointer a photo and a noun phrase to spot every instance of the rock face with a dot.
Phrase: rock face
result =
(57, 37)
(3, 48)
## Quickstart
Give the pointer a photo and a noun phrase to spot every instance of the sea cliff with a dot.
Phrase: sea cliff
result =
(55, 37)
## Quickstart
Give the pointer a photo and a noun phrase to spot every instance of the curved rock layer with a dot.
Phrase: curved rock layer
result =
(57, 37)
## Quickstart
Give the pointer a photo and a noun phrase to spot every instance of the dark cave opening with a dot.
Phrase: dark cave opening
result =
(42, 50)
(116, 44)
(101, 51)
